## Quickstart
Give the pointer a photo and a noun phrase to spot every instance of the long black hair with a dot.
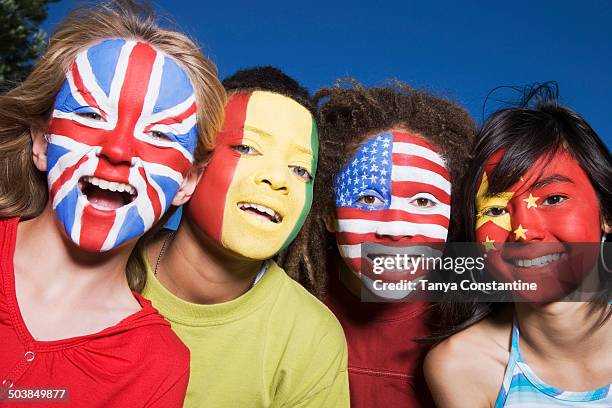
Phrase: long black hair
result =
(538, 126)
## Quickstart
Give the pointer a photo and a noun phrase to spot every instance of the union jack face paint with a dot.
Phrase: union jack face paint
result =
(395, 191)
(121, 139)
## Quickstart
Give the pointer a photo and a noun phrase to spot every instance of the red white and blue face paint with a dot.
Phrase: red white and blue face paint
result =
(121, 139)
(395, 191)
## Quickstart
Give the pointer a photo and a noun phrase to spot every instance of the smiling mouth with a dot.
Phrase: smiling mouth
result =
(535, 262)
(261, 211)
(106, 195)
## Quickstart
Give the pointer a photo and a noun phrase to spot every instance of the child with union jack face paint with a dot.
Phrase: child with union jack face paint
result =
(538, 199)
(390, 160)
(108, 128)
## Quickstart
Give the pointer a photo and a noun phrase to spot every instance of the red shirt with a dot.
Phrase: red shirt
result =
(385, 363)
(139, 362)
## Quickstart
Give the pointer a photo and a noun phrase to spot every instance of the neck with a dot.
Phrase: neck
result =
(67, 271)
(194, 267)
(564, 330)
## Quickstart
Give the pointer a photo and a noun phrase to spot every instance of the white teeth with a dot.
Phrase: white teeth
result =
(536, 262)
(110, 185)
(261, 208)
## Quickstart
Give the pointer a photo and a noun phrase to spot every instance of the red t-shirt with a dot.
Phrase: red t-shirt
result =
(385, 363)
(139, 362)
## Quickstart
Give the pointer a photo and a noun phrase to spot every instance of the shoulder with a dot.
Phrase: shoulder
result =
(468, 367)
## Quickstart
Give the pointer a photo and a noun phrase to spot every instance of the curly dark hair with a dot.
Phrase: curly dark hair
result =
(348, 114)
(268, 78)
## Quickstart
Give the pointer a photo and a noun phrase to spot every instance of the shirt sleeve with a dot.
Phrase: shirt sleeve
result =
(174, 396)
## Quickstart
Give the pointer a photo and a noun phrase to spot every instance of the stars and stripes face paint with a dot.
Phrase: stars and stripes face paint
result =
(394, 191)
(553, 203)
(120, 141)
(257, 188)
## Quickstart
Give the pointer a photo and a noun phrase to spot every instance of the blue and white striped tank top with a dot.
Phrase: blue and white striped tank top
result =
(523, 388)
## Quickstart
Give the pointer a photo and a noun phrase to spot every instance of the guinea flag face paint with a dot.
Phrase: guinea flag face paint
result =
(553, 203)
(257, 188)
(121, 138)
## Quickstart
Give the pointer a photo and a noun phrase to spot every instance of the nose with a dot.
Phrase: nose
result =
(117, 148)
(274, 176)
(527, 225)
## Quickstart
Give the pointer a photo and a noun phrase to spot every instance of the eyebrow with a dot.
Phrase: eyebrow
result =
(268, 135)
(555, 178)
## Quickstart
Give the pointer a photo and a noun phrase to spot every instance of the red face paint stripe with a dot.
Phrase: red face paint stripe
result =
(400, 159)
(350, 238)
(213, 205)
(410, 188)
(175, 119)
(94, 228)
(413, 139)
(350, 213)
(73, 130)
(83, 91)
(66, 175)
(153, 196)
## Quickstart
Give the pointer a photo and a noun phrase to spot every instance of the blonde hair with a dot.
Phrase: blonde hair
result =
(27, 108)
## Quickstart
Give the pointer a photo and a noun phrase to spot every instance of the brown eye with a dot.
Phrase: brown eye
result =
(369, 199)
(160, 135)
(554, 200)
(495, 211)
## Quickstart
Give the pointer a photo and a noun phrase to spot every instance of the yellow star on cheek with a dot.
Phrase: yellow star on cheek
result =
(489, 244)
(484, 201)
(520, 232)
(531, 201)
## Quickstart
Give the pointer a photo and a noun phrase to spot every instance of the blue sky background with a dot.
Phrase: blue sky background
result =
(459, 50)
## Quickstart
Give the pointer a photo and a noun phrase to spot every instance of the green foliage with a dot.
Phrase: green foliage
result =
(21, 39)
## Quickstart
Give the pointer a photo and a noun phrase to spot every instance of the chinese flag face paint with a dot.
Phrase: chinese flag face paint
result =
(552, 204)
(121, 139)
(257, 188)
(394, 191)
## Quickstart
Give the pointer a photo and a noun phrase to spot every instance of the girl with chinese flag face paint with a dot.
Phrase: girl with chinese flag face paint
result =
(541, 207)
(97, 143)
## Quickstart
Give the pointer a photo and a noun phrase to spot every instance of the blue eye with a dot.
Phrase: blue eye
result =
(90, 115)
(301, 172)
(245, 149)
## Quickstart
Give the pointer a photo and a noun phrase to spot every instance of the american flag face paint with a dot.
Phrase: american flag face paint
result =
(121, 139)
(553, 203)
(395, 190)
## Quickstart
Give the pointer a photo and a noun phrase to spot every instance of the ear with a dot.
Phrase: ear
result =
(607, 228)
(188, 185)
(39, 149)
(330, 222)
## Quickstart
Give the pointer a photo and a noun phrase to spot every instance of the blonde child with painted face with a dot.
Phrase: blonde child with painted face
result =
(96, 144)
(257, 338)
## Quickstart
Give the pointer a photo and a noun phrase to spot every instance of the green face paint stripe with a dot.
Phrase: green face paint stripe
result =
(314, 144)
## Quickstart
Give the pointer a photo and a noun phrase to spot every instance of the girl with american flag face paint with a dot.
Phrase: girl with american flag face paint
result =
(390, 159)
(114, 115)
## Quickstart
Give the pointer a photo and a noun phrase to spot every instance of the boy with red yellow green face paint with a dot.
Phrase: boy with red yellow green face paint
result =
(257, 338)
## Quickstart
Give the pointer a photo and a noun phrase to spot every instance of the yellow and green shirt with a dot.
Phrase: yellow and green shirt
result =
(274, 346)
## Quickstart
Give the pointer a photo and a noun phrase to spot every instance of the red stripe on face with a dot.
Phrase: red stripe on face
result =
(414, 139)
(410, 188)
(351, 213)
(95, 227)
(152, 193)
(351, 238)
(76, 131)
(207, 205)
(66, 175)
(400, 159)
(175, 119)
(82, 89)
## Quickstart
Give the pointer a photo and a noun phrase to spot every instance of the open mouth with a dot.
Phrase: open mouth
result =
(535, 262)
(261, 212)
(106, 195)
